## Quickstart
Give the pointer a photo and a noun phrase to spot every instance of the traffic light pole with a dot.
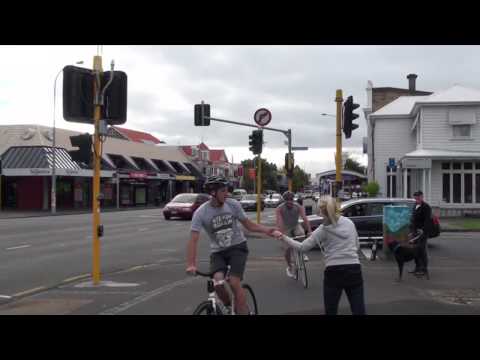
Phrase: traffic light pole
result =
(338, 158)
(290, 175)
(259, 187)
(97, 67)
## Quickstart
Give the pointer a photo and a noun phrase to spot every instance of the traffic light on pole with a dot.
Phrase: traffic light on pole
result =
(202, 114)
(84, 143)
(349, 116)
(289, 164)
(256, 141)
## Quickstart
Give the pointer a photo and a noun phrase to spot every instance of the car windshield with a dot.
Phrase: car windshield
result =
(185, 198)
(276, 196)
(250, 197)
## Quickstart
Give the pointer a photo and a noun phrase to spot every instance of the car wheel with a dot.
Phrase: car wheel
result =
(167, 217)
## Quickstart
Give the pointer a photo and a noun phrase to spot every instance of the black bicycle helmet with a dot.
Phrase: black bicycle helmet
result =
(288, 195)
(214, 183)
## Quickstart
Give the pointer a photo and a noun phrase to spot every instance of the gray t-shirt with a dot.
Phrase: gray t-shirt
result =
(220, 223)
(290, 216)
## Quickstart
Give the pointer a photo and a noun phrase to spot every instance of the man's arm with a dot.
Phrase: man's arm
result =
(306, 223)
(192, 251)
(254, 227)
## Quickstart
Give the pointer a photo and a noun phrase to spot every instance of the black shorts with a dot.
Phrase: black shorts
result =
(235, 256)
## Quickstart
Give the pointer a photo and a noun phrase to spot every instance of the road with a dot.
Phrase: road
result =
(42, 252)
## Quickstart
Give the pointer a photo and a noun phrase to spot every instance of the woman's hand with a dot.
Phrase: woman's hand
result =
(277, 234)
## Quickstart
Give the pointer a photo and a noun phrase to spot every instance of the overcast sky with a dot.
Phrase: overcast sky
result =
(296, 83)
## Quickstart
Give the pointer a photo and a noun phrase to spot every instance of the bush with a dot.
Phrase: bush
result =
(372, 188)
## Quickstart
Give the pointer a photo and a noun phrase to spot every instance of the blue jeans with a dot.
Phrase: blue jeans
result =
(343, 277)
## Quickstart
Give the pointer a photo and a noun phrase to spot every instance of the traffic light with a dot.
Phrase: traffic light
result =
(289, 164)
(256, 141)
(349, 116)
(84, 143)
(202, 119)
(78, 84)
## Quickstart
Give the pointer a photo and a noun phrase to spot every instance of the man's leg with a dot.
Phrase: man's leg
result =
(238, 260)
(239, 293)
(218, 266)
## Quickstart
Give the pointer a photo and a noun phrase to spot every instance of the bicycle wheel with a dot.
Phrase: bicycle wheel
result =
(251, 299)
(302, 270)
(206, 308)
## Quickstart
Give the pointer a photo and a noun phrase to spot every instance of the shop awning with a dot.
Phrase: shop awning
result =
(38, 161)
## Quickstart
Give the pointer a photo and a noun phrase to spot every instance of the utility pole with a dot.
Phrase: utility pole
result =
(338, 158)
(97, 67)
(289, 177)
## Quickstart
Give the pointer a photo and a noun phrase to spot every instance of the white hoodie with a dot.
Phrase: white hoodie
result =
(339, 243)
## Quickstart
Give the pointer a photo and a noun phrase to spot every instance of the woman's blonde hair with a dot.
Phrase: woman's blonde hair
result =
(328, 207)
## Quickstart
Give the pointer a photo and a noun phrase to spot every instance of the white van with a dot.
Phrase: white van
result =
(238, 194)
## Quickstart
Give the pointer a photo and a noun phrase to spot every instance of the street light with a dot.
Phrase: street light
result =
(53, 196)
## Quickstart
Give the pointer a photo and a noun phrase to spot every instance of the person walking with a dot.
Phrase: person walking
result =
(421, 219)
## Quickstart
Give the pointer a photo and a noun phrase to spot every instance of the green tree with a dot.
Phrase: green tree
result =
(352, 164)
(372, 188)
(269, 175)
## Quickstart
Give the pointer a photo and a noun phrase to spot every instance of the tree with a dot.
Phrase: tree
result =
(352, 164)
(371, 188)
(269, 175)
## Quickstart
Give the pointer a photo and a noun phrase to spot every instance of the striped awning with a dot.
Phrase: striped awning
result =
(38, 161)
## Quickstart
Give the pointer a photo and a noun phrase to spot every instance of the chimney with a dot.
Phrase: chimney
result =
(411, 82)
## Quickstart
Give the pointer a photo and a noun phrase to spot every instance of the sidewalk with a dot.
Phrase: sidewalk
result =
(17, 214)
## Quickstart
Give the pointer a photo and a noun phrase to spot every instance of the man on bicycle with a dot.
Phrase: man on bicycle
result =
(228, 246)
(287, 215)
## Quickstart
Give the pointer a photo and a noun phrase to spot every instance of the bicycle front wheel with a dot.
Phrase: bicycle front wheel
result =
(206, 308)
(250, 299)
(302, 270)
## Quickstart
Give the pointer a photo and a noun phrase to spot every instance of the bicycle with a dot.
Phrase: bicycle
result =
(299, 266)
(214, 306)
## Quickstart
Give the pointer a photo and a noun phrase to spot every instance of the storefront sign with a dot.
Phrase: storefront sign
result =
(40, 171)
(417, 163)
(185, 178)
(138, 175)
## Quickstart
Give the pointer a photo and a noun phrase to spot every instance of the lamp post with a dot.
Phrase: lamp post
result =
(53, 196)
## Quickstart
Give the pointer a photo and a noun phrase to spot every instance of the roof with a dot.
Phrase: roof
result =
(138, 136)
(216, 156)
(345, 172)
(37, 157)
(407, 105)
(401, 106)
(434, 153)
(406, 91)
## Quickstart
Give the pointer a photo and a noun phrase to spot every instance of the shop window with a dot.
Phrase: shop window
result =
(457, 165)
(457, 188)
(467, 166)
(445, 166)
(446, 188)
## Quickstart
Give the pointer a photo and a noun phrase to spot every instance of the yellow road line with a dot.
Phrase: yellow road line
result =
(76, 278)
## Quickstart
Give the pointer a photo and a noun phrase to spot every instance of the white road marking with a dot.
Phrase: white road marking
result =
(143, 229)
(89, 284)
(18, 247)
(5, 297)
(126, 305)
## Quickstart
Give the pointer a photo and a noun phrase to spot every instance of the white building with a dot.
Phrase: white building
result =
(435, 143)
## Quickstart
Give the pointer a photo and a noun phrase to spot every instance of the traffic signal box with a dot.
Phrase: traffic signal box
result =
(256, 142)
(84, 143)
(349, 116)
(289, 164)
(202, 119)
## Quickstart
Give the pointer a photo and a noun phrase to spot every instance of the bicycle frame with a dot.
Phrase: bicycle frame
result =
(215, 299)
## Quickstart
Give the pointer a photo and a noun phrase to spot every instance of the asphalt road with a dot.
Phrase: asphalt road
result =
(39, 252)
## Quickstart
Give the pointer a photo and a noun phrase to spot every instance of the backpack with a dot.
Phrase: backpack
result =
(435, 227)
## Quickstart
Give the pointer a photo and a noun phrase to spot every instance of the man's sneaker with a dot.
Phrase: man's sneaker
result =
(289, 273)
(305, 257)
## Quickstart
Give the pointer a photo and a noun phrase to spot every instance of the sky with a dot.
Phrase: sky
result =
(296, 83)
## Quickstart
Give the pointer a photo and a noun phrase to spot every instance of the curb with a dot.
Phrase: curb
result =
(76, 212)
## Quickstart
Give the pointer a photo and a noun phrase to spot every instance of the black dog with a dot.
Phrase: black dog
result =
(404, 253)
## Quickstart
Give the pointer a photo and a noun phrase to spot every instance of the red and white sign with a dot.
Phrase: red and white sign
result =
(262, 117)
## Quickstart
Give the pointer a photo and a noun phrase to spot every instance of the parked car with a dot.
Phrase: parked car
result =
(366, 214)
(273, 200)
(184, 205)
(238, 194)
(249, 202)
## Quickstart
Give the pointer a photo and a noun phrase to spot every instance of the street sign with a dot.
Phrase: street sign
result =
(262, 117)
(391, 162)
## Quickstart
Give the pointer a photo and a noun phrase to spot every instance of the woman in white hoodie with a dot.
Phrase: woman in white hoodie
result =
(338, 238)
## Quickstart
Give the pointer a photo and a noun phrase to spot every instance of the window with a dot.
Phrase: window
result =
(457, 188)
(468, 166)
(457, 166)
(375, 209)
(461, 131)
(445, 166)
(477, 188)
(467, 189)
(205, 156)
(194, 151)
(446, 188)
(393, 180)
(356, 210)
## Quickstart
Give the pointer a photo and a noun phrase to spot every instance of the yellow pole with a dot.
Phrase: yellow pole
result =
(259, 188)
(338, 157)
(97, 66)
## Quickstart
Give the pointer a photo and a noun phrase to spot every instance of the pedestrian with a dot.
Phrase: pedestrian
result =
(338, 239)
(219, 218)
(421, 219)
(287, 216)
